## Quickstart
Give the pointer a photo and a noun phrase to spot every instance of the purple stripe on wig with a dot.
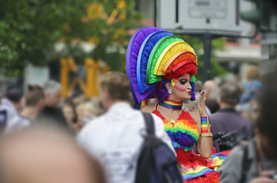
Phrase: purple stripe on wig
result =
(131, 60)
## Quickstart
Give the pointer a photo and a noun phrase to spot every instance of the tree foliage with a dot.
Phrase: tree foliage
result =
(29, 30)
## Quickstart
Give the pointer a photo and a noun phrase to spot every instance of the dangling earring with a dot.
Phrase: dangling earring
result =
(169, 91)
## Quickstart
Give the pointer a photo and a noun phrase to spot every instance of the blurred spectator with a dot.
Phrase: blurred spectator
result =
(46, 155)
(14, 96)
(70, 114)
(192, 106)
(86, 112)
(96, 101)
(254, 111)
(255, 108)
(115, 138)
(212, 105)
(257, 162)
(209, 87)
(51, 111)
(252, 88)
(34, 104)
(227, 119)
(211, 94)
(7, 113)
(80, 99)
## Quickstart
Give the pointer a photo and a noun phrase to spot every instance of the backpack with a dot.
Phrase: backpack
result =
(246, 162)
(157, 163)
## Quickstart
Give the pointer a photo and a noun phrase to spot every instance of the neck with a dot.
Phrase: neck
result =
(30, 112)
(224, 106)
(171, 104)
(109, 105)
(172, 97)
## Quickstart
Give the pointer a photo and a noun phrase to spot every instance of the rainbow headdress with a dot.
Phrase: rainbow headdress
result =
(155, 56)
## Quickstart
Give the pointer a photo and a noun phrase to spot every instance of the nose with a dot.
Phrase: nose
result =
(189, 86)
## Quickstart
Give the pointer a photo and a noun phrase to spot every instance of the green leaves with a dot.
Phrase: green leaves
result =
(29, 30)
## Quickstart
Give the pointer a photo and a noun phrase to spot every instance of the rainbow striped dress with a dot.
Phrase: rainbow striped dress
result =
(184, 133)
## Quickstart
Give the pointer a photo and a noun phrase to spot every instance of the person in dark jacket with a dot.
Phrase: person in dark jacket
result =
(51, 111)
(227, 119)
(256, 162)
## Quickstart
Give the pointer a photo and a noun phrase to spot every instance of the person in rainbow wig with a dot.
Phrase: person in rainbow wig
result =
(161, 65)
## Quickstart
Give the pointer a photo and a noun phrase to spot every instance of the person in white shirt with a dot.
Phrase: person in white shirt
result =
(34, 103)
(116, 138)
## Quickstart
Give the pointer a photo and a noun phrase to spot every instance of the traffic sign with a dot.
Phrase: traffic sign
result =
(214, 16)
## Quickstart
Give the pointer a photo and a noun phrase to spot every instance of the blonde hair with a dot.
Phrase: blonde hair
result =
(86, 107)
(253, 73)
(117, 84)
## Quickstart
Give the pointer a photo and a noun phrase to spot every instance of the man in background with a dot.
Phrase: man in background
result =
(33, 105)
(52, 111)
(210, 87)
(227, 119)
(211, 93)
(256, 162)
(115, 138)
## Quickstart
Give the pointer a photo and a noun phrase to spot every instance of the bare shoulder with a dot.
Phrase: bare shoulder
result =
(147, 108)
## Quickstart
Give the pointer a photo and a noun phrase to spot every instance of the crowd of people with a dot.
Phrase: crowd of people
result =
(44, 104)
(121, 125)
(197, 132)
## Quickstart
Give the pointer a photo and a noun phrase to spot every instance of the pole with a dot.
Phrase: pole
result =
(155, 13)
(207, 43)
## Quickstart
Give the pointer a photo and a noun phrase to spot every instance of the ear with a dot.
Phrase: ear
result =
(41, 103)
(218, 99)
(106, 94)
(168, 86)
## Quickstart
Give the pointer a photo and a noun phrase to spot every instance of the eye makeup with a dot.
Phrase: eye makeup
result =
(174, 81)
(181, 85)
(183, 81)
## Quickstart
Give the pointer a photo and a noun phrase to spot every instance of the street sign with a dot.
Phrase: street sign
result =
(35, 76)
(214, 16)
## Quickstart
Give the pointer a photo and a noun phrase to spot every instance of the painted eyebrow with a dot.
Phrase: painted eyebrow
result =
(183, 77)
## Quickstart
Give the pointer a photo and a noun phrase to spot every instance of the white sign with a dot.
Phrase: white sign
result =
(204, 15)
(36, 75)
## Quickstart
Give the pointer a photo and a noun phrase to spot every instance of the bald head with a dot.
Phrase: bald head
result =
(208, 87)
(46, 156)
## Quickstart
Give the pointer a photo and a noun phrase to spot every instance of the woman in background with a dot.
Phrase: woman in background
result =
(70, 114)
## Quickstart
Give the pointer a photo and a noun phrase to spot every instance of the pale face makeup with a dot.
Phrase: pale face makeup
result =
(181, 87)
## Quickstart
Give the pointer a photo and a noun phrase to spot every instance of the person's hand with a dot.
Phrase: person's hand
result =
(243, 142)
(264, 178)
(184, 169)
(201, 104)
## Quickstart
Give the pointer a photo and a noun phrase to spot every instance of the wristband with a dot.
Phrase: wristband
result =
(206, 129)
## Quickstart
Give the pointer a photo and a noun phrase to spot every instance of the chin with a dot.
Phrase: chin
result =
(185, 98)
